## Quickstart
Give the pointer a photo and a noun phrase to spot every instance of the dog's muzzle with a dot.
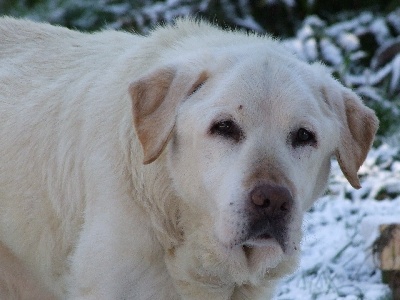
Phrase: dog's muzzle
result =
(269, 210)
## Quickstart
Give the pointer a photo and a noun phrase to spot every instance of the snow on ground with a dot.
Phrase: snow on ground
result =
(336, 250)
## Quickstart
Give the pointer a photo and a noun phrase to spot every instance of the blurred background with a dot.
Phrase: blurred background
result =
(359, 40)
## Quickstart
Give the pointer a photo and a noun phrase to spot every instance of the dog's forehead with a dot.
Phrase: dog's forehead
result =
(268, 86)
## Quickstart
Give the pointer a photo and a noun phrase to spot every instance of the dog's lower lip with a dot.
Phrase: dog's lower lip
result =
(258, 241)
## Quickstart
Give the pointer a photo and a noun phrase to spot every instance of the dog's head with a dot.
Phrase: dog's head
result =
(249, 133)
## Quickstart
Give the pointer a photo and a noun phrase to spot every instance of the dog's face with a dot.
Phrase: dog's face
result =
(249, 137)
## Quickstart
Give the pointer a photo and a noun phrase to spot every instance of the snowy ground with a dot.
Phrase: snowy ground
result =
(336, 251)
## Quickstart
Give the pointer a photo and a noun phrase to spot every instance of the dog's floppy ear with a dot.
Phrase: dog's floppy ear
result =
(155, 98)
(359, 126)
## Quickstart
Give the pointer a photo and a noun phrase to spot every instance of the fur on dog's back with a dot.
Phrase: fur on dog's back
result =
(49, 87)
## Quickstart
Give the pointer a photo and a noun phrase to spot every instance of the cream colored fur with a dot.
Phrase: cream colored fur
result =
(79, 114)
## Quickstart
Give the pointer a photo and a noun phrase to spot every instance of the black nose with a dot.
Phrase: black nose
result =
(271, 200)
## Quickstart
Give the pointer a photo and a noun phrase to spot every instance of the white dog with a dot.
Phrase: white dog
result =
(173, 166)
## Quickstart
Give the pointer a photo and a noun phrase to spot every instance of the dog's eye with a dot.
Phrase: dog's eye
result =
(303, 137)
(196, 88)
(227, 129)
(199, 83)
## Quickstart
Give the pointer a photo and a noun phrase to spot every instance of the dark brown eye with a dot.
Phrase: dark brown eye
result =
(303, 137)
(227, 129)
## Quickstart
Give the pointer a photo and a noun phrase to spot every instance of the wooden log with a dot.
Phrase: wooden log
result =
(390, 252)
(387, 249)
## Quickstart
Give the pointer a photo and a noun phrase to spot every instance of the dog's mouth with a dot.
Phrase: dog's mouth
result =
(262, 249)
(261, 240)
(263, 234)
(265, 237)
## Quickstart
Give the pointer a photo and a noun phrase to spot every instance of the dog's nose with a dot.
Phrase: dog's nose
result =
(271, 199)
(270, 209)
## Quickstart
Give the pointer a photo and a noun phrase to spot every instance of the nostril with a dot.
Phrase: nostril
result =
(285, 206)
(258, 198)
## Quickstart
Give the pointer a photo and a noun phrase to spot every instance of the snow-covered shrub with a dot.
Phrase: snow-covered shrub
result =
(363, 52)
